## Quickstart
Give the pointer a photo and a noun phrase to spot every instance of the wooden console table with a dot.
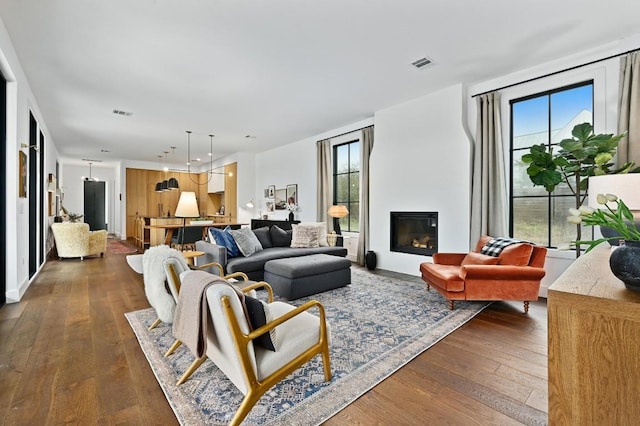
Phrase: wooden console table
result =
(594, 345)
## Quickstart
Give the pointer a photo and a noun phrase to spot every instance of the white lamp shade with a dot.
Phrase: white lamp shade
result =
(187, 205)
(624, 186)
(338, 211)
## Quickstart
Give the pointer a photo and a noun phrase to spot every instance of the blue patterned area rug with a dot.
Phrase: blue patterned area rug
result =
(378, 324)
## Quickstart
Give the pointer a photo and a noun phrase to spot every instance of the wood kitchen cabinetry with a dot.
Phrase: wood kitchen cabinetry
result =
(228, 198)
(594, 345)
(216, 183)
(142, 201)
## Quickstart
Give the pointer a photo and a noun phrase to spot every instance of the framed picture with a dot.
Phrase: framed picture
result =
(271, 191)
(270, 206)
(292, 194)
(22, 177)
(281, 199)
(52, 203)
(266, 193)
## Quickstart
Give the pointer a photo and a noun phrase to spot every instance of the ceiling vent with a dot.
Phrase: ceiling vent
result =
(120, 112)
(421, 63)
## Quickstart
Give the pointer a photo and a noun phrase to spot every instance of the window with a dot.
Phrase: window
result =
(346, 183)
(546, 118)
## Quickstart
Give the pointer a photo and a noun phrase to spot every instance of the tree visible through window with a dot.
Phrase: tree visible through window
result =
(346, 183)
(546, 118)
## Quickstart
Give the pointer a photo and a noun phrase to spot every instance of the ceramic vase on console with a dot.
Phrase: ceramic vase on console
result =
(625, 264)
(291, 218)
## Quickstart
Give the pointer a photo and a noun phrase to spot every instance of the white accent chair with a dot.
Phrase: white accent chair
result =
(253, 369)
(175, 269)
(74, 239)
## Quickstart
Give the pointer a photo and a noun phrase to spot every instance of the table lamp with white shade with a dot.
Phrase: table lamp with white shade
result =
(187, 207)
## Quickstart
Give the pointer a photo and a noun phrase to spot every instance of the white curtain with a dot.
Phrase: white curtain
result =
(489, 200)
(365, 154)
(325, 182)
(629, 109)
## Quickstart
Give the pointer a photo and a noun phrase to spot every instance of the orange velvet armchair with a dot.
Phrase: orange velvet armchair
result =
(514, 274)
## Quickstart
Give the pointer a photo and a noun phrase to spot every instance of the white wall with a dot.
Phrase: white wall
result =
(295, 164)
(20, 101)
(420, 162)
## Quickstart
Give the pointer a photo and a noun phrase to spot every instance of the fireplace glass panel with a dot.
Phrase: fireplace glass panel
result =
(414, 232)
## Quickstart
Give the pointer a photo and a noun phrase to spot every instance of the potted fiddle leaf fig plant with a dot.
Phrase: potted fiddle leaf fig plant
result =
(584, 154)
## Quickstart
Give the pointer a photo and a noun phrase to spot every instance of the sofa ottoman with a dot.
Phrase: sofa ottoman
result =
(296, 277)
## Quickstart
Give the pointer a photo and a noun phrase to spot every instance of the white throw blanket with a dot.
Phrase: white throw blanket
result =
(154, 280)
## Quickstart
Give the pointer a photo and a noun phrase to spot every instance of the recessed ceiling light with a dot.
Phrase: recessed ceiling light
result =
(422, 62)
(250, 137)
(121, 112)
(105, 150)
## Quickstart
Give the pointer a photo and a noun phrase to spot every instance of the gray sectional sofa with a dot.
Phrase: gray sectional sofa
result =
(276, 245)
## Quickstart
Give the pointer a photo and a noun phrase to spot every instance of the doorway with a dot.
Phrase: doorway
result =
(94, 204)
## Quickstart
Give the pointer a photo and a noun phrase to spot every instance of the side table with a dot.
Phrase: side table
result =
(189, 255)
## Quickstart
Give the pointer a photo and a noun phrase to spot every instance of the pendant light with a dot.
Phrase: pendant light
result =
(162, 186)
(210, 172)
(173, 182)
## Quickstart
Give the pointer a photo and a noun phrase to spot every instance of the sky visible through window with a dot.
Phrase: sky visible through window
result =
(565, 106)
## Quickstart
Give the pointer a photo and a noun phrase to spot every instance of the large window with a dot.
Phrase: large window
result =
(544, 118)
(346, 183)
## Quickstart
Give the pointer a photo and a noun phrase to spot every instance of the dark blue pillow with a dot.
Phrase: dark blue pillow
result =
(224, 238)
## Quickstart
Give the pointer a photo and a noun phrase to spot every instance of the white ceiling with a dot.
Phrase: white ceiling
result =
(279, 70)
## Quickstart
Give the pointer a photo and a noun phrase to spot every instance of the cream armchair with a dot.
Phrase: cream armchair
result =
(76, 240)
(234, 348)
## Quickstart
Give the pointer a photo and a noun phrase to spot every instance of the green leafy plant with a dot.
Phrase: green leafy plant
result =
(584, 154)
(619, 219)
(74, 217)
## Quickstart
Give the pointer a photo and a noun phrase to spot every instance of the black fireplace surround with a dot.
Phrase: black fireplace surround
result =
(414, 232)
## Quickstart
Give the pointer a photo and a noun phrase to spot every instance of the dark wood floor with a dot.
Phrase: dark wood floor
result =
(68, 356)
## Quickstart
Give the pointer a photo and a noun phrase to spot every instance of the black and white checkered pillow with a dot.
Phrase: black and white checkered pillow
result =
(495, 246)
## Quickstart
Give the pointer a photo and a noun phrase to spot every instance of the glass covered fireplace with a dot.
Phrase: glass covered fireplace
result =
(414, 232)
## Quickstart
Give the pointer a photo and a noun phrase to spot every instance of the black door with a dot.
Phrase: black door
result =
(32, 194)
(3, 199)
(94, 204)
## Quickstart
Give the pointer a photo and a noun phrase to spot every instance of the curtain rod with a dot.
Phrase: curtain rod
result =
(346, 133)
(557, 72)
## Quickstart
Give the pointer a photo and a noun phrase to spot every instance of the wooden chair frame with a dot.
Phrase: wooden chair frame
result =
(256, 388)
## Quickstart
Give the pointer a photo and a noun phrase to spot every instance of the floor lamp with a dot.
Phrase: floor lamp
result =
(336, 212)
(187, 207)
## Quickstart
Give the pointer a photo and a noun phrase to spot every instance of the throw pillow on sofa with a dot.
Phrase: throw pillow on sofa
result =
(516, 254)
(224, 238)
(280, 237)
(479, 259)
(246, 240)
(264, 237)
(304, 236)
(322, 232)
